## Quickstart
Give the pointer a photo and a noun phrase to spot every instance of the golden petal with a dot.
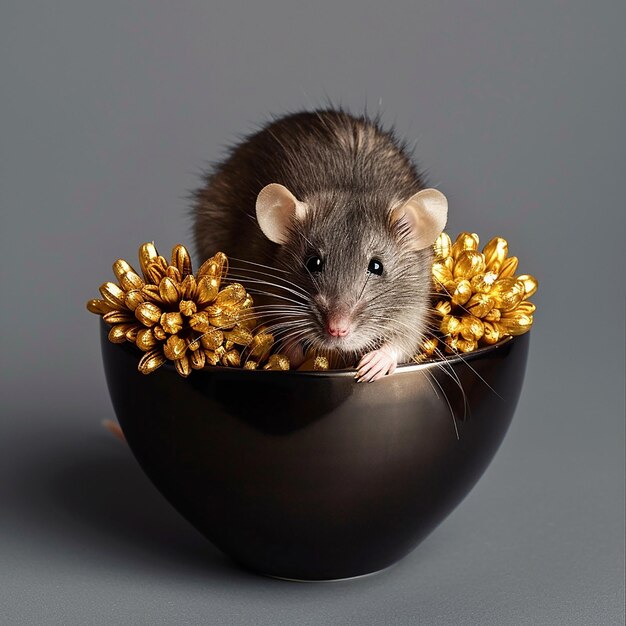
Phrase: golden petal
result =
(466, 345)
(277, 362)
(159, 333)
(450, 325)
(171, 323)
(147, 253)
(495, 252)
(118, 317)
(131, 281)
(320, 363)
(216, 266)
(146, 340)
(313, 363)
(200, 322)
(151, 361)
(250, 365)
(173, 273)
(212, 339)
(117, 334)
(187, 307)
(247, 302)
(214, 311)
(472, 328)
(99, 307)
(468, 264)
(261, 345)
(443, 307)
(211, 358)
(480, 304)
(239, 335)
(151, 292)
(525, 307)
(530, 285)
(491, 334)
(231, 296)
(507, 293)
(183, 367)
(168, 291)
(133, 299)
(450, 287)
(207, 289)
(197, 359)
(121, 267)
(131, 333)
(452, 344)
(482, 283)
(226, 320)
(113, 295)
(181, 260)
(493, 316)
(508, 267)
(465, 241)
(148, 313)
(232, 358)
(517, 325)
(174, 348)
(188, 287)
(429, 346)
(157, 269)
(442, 246)
(193, 342)
(441, 273)
(462, 293)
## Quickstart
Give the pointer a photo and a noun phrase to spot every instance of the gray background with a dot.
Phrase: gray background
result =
(109, 111)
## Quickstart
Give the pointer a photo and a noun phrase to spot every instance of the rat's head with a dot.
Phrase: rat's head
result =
(356, 269)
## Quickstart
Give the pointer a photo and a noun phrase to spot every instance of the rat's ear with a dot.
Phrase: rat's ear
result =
(423, 216)
(276, 208)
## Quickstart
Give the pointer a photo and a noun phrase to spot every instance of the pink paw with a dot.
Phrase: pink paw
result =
(376, 364)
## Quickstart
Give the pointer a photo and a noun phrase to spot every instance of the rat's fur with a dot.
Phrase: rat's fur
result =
(350, 173)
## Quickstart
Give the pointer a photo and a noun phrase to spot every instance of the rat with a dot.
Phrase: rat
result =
(331, 222)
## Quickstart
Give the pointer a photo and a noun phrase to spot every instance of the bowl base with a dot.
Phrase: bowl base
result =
(329, 580)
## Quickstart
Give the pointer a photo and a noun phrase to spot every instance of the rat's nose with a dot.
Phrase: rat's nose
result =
(338, 326)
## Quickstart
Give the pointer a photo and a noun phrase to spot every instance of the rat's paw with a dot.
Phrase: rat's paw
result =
(376, 364)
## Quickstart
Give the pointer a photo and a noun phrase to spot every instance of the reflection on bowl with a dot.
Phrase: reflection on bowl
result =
(309, 475)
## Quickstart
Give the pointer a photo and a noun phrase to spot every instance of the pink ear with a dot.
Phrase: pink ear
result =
(424, 215)
(276, 208)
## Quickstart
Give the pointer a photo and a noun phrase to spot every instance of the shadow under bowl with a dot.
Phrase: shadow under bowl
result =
(310, 475)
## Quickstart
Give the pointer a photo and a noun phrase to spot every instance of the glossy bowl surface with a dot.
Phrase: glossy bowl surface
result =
(309, 475)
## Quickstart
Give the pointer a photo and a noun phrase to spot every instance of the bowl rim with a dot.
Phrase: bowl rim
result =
(335, 373)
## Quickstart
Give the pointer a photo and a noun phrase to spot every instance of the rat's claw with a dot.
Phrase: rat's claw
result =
(375, 365)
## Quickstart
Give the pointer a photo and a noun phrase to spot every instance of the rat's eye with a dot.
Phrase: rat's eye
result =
(314, 264)
(375, 267)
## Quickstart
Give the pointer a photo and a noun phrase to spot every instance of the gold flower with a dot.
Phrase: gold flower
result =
(172, 314)
(481, 300)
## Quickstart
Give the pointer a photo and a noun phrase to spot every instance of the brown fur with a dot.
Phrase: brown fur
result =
(350, 173)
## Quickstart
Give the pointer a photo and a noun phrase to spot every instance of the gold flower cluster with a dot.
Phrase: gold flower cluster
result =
(481, 300)
(191, 320)
(194, 320)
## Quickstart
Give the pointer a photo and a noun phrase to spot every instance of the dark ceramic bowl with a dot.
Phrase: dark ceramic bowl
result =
(309, 475)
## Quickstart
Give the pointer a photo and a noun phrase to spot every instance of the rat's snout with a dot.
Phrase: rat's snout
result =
(338, 325)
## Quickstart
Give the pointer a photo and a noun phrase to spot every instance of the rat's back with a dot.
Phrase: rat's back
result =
(310, 153)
